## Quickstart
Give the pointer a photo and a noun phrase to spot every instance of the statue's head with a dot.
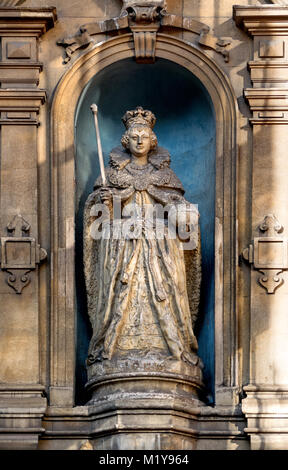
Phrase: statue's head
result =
(139, 137)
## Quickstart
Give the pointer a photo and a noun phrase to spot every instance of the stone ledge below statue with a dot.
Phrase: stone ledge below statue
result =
(151, 378)
(125, 424)
(149, 395)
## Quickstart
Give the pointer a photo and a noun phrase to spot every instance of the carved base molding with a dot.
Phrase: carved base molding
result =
(266, 410)
(22, 408)
(160, 425)
(175, 378)
(268, 105)
(147, 424)
(166, 389)
(21, 106)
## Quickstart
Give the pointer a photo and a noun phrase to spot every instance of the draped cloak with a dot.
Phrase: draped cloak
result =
(143, 292)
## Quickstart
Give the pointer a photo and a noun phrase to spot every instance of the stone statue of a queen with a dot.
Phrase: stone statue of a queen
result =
(142, 277)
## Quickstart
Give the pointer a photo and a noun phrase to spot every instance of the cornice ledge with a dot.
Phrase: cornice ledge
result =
(23, 93)
(261, 19)
(22, 99)
(268, 105)
(17, 19)
(279, 93)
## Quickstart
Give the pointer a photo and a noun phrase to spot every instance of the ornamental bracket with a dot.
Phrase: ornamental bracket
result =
(269, 254)
(143, 18)
(20, 254)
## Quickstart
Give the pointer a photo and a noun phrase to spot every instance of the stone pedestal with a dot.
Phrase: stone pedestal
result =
(152, 403)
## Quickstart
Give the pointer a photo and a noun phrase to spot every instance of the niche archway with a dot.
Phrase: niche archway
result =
(186, 126)
(64, 305)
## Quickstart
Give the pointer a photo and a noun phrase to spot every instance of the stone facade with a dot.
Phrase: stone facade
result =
(239, 54)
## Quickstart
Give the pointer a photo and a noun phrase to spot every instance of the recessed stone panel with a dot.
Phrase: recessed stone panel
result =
(18, 115)
(271, 48)
(18, 50)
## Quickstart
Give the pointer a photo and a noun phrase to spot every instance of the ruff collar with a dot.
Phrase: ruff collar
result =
(158, 157)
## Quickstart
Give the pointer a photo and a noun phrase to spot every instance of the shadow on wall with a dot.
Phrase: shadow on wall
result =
(186, 127)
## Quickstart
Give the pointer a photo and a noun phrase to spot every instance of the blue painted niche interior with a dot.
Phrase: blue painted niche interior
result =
(186, 127)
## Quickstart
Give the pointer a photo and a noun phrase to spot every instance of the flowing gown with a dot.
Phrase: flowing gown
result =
(143, 289)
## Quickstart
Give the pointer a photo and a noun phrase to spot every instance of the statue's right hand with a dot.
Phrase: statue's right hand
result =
(106, 194)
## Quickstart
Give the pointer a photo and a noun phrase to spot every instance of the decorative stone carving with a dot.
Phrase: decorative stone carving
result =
(144, 18)
(143, 283)
(63, 176)
(144, 11)
(268, 25)
(269, 254)
(20, 254)
(20, 107)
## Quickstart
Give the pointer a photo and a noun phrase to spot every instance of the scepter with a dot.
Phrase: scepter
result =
(94, 109)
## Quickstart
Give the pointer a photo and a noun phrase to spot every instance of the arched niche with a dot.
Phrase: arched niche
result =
(186, 127)
(213, 84)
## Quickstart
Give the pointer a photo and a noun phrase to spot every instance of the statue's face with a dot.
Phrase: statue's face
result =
(139, 141)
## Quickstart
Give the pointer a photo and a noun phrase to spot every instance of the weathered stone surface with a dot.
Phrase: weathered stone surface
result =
(141, 354)
(250, 325)
(66, 115)
(144, 289)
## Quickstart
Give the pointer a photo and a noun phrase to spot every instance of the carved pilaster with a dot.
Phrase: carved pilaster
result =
(20, 102)
(266, 404)
(268, 26)
(21, 357)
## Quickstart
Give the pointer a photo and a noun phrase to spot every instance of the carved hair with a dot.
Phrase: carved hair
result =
(125, 137)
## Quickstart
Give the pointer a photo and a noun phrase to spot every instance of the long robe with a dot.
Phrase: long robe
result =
(143, 290)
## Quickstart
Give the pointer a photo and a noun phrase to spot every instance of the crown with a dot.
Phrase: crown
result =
(139, 116)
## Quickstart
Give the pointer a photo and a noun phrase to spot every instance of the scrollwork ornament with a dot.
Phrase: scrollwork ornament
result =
(144, 20)
(269, 254)
(20, 254)
(18, 279)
